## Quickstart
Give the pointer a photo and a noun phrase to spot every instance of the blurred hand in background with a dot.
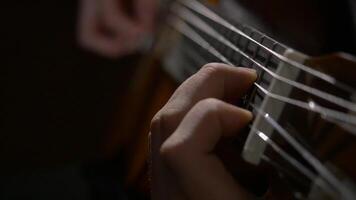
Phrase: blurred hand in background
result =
(115, 28)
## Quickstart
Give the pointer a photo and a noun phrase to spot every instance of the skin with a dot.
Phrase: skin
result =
(123, 33)
(186, 130)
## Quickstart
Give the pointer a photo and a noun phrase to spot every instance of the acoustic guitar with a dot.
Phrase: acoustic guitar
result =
(301, 143)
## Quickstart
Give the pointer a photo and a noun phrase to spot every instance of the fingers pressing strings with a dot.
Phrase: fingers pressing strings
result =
(214, 80)
(188, 151)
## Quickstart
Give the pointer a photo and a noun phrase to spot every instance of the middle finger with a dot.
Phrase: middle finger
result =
(214, 80)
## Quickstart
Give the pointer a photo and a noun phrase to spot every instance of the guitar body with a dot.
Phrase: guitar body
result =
(303, 25)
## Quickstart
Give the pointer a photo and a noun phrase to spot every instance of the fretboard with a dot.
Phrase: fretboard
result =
(280, 93)
(190, 55)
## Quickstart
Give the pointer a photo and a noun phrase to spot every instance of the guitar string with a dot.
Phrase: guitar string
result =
(217, 54)
(206, 12)
(286, 156)
(317, 165)
(281, 169)
(326, 113)
(192, 19)
(316, 182)
(263, 136)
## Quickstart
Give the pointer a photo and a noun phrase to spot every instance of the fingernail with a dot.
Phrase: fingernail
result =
(249, 70)
(248, 114)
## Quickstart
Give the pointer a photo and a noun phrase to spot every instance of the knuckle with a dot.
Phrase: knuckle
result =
(163, 121)
(211, 66)
(211, 69)
(171, 151)
(207, 108)
(209, 104)
(167, 151)
(156, 122)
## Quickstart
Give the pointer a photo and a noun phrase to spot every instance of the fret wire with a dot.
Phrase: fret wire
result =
(323, 171)
(247, 43)
(239, 62)
(289, 159)
(313, 161)
(269, 56)
(296, 145)
(268, 59)
(234, 39)
(259, 94)
(274, 45)
(220, 47)
(262, 38)
(310, 106)
(188, 27)
(262, 80)
(252, 96)
(227, 51)
(259, 78)
(240, 58)
(200, 8)
(192, 19)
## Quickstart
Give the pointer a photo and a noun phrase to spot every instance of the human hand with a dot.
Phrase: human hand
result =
(106, 27)
(186, 130)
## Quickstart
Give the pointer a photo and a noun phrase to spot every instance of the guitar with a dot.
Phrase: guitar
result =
(303, 133)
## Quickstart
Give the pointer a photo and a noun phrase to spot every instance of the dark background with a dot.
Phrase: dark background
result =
(314, 27)
(58, 101)
(57, 104)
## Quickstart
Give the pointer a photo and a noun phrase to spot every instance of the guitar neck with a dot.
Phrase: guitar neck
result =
(252, 43)
(284, 94)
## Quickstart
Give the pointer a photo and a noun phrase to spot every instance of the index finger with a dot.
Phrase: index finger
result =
(214, 80)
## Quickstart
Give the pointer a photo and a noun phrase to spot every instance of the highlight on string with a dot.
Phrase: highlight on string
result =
(187, 23)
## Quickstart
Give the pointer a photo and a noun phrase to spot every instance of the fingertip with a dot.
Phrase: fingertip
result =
(246, 115)
(237, 121)
(249, 71)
